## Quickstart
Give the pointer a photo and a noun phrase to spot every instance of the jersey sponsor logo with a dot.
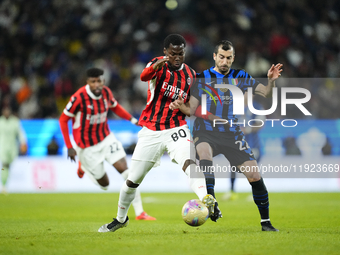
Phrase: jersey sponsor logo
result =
(97, 118)
(173, 91)
(225, 99)
(90, 106)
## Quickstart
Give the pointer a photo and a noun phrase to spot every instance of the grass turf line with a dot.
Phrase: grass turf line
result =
(68, 223)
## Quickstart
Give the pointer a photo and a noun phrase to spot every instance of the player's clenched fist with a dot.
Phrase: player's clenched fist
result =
(160, 63)
(177, 103)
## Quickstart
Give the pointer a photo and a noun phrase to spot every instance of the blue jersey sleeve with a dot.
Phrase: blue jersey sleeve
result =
(194, 90)
(247, 81)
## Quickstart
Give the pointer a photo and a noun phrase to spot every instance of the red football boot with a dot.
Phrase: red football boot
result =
(79, 171)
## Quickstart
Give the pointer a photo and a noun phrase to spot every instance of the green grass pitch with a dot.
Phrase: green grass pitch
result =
(37, 224)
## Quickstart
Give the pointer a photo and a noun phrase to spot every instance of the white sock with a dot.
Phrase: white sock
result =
(265, 220)
(137, 202)
(126, 196)
(197, 184)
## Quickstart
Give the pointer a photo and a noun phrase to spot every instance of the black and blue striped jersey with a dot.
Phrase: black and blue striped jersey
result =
(220, 101)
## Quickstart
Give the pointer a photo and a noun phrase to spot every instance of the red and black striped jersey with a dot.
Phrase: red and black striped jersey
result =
(165, 85)
(89, 115)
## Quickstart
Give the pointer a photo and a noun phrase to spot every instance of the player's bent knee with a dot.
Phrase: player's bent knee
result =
(103, 183)
(254, 177)
(121, 165)
(130, 184)
(205, 155)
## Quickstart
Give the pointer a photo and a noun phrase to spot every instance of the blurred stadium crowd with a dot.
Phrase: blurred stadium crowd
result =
(46, 46)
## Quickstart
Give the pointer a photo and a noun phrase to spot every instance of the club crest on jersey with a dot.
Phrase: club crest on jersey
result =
(189, 80)
(224, 89)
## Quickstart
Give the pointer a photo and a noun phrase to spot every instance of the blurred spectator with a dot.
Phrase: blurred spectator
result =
(327, 149)
(289, 144)
(312, 142)
(49, 43)
(53, 147)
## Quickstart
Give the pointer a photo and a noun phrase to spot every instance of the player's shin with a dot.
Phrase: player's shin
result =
(4, 175)
(137, 202)
(126, 196)
(206, 168)
(196, 181)
(260, 195)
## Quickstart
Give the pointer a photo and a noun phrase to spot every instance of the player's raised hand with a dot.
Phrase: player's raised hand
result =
(177, 103)
(274, 72)
(160, 63)
(71, 153)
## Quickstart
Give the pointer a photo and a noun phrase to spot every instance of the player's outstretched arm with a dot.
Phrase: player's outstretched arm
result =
(124, 114)
(71, 153)
(273, 74)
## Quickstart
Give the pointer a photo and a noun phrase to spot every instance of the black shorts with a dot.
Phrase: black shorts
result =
(233, 147)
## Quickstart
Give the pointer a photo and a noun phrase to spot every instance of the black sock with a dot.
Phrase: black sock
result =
(232, 180)
(260, 196)
(206, 166)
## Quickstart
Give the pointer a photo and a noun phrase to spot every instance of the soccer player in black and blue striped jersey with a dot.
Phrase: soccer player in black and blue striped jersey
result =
(252, 137)
(229, 140)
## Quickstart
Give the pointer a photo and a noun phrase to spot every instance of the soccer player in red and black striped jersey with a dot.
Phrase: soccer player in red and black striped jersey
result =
(163, 129)
(88, 109)
(166, 82)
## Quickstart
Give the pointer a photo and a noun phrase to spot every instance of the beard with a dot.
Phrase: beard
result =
(223, 69)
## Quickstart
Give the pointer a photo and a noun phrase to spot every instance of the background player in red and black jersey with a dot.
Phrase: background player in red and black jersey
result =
(163, 129)
(88, 109)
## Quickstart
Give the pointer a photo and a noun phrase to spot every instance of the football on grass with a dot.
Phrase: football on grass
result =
(195, 213)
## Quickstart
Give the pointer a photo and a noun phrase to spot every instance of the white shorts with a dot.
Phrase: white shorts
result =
(177, 142)
(92, 158)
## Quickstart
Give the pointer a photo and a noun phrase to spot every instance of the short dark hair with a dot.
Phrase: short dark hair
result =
(174, 39)
(225, 45)
(94, 72)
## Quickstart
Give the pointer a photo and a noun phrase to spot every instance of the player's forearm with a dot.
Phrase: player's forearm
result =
(269, 89)
(121, 112)
(147, 73)
(207, 116)
(22, 136)
(64, 129)
(124, 114)
(185, 108)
